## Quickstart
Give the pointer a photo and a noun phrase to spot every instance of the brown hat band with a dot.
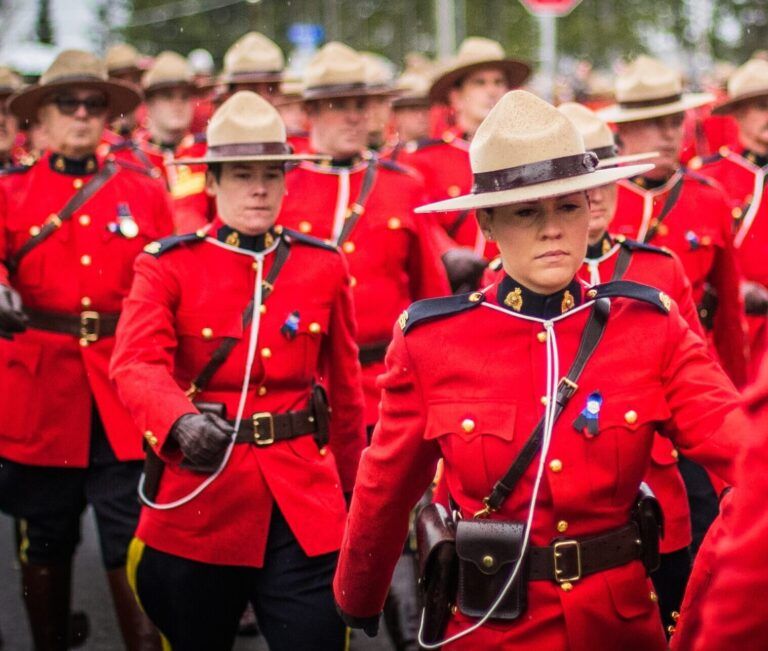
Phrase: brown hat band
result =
(251, 149)
(534, 173)
(267, 76)
(611, 151)
(335, 89)
(659, 101)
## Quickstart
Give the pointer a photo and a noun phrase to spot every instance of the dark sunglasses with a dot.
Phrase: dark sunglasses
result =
(94, 106)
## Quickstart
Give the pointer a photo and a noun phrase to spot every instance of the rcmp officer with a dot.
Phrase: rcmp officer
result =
(364, 205)
(474, 401)
(741, 174)
(122, 61)
(10, 152)
(410, 112)
(70, 227)
(379, 75)
(223, 342)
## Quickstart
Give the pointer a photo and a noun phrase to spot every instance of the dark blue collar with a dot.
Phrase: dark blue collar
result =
(517, 298)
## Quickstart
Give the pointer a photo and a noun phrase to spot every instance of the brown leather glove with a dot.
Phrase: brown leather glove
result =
(12, 317)
(755, 298)
(465, 269)
(203, 439)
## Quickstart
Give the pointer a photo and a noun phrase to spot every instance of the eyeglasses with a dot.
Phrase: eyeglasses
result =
(94, 106)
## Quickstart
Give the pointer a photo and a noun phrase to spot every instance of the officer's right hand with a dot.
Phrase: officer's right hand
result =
(12, 317)
(203, 438)
(755, 298)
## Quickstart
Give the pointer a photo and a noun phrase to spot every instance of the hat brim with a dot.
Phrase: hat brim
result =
(252, 78)
(516, 71)
(123, 97)
(624, 160)
(536, 191)
(411, 102)
(266, 158)
(729, 105)
(165, 85)
(617, 114)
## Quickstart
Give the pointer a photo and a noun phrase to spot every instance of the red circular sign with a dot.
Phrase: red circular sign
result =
(550, 7)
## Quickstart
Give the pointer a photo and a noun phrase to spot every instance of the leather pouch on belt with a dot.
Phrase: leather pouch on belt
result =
(488, 551)
(649, 518)
(436, 548)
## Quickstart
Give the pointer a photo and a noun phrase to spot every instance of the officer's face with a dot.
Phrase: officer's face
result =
(339, 126)
(602, 206)
(8, 129)
(752, 118)
(412, 123)
(248, 195)
(477, 95)
(170, 109)
(542, 243)
(663, 134)
(379, 114)
(73, 121)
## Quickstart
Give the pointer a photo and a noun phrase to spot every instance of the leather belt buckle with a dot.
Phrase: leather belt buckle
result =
(261, 420)
(89, 326)
(567, 561)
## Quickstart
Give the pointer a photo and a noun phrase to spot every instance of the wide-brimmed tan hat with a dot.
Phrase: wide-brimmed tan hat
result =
(253, 59)
(748, 81)
(75, 69)
(379, 73)
(649, 89)
(168, 70)
(246, 128)
(476, 53)
(413, 91)
(10, 82)
(122, 58)
(526, 150)
(336, 70)
(598, 137)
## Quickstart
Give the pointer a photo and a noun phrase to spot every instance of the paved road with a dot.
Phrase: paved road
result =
(91, 594)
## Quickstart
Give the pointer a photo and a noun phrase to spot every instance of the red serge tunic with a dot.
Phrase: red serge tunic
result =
(474, 400)
(189, 294)
(391, 254)
(48, 380)
(698, 230)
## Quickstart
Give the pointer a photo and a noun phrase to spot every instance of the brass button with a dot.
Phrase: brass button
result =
(34, 231)
(348, 247)
(305, 227)
(675, 454)
(454, 609)
(85, 260)
(663, 230)
(671, 630)
(262, 391)
(544, 400)
(262, 309)
(207, 333)
(567, 586)
(315, 327)
(542, 336)
(562, 526)
(737, 213)
(555, 465)
(631, 417)
(200, 232)
(675, 615)
(151, 438)
(393, 223)
(352, 281)
(77, 184)
(468, 425)
(454, 191)
(592, 293)
(84, 342)
(488, 561)
(84, 220)
(255, 266)
(85, 301)
(653, 596)
(706, 240)
(266, 353)
(324, 452)
(475, 297)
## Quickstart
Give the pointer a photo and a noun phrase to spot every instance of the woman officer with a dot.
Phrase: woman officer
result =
(579, 577)
(221, 341)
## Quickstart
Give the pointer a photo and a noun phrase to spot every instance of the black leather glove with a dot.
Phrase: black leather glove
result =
(465, 269)
(203, 439)
(368, 624)
(755, 298)
(12, 317)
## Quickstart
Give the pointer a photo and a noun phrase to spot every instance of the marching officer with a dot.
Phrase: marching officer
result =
(741, 174)
(410, 112)
(70, 227)
(664, 207)
(123, 63)
(224, 343)
(545, 423)
(362, 204)
(11, 153)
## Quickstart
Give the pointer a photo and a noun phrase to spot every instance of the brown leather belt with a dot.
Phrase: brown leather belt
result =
(88, 326)
(371, 353)
(569, 560)
(265, 428)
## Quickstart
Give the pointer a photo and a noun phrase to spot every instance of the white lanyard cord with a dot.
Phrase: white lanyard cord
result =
(254, 336)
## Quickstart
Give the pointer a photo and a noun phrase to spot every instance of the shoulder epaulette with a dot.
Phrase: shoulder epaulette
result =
(634, 245)
(629, 289)
(158, 247)
(394, 166)
(495, 264)
(296, 236)
(433, 308)
(152, 172)
(704, 180)
(125, 143)
(15, 169)
(423, 143)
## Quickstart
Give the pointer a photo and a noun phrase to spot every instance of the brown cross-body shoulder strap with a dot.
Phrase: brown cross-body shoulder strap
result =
(358, 207)
(672, 197)
(56, 220)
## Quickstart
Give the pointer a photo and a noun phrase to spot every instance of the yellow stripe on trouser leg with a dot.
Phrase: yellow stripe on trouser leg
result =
(135, 552)
(23, 541)
(347, 638)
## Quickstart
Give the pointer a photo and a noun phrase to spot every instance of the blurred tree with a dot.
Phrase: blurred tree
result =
(43, 27)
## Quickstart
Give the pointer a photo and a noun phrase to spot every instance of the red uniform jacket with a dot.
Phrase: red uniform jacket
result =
(193, 208)
(742, 178)
(698, 230)
(474, 400)
(660, 269)
(181, 305)
(48, 380)
(390, 251)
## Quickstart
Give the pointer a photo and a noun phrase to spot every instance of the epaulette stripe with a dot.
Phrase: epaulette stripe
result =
(432, 308)
(309, 240)
(151, 172)
(158, 247)
(630, 289)
(634, 245)
(15, 169)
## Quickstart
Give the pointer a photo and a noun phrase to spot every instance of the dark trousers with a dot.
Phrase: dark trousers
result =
(702, 500)
(197, 606)
(669, 582)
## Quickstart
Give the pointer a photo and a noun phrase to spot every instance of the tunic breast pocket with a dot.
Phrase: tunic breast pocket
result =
(311, 329)
(201, 333)
(477, 440)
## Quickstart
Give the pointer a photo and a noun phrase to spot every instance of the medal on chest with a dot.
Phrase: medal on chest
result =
(125, 224)
(587, 422)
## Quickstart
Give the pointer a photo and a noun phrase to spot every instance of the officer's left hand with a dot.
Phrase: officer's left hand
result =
(465, 269)
(755, 298)
(368, 624)
(12, 317)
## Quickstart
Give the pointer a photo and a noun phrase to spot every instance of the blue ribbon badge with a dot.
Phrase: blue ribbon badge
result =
(693, 240)
(291, 325)
(587, 421)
